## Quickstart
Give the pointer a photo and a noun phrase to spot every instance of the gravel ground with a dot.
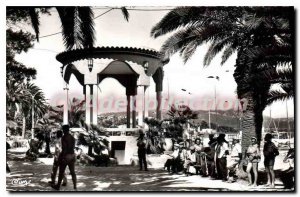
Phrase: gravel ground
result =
(34, 176)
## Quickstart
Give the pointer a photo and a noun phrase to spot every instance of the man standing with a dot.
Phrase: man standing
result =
(57, 152)
(221, 157)
(142, 151)
(210, 156)
(67, 157)
(270, 152)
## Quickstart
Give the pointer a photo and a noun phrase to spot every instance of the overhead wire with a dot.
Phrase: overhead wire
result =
(110, 9)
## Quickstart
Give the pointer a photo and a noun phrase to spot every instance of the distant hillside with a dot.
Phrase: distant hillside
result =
(227, 118)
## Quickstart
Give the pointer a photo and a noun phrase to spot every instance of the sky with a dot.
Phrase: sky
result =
(113, 30)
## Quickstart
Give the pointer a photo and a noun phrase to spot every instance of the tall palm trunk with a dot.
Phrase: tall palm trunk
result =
(23, 126)
(248, 126)
(258, 112)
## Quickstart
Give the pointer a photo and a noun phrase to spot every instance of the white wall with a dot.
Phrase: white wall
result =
(130, 147)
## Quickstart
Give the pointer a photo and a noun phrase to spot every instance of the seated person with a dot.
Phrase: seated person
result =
(190, 160)
(34, 145)
(175, 161)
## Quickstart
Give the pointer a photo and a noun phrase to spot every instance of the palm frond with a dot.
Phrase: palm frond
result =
(86, 15)
(35, 22)
(276, 95)
(125, 13)
(215, 48)
(229, 50)
(187, 37)
(189, 51)
(67, 18)
(175, 19)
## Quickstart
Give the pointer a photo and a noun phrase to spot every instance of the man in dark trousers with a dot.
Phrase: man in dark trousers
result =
(221, 157)
(67, 157)
(142, 151)
(210, 156)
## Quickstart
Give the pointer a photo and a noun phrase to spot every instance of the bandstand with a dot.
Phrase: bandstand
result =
(132, 67)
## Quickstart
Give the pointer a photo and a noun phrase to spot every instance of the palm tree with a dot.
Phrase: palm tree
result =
(262, 38)
(37, 100)
(76, 22)
(19, 101)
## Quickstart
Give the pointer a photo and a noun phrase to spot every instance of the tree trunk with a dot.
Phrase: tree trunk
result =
(23, 126)
(258, 124)
(248, 126)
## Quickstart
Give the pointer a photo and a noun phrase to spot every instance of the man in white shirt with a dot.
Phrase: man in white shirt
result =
(221, 157)
(176, 160)
(236, 153)
(235, 158)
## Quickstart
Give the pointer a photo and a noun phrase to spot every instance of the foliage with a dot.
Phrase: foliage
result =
(93, 137)
(178, 117)
(155, 137)
(75, 113)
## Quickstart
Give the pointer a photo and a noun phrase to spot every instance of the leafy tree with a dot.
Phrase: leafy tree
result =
(179, 116)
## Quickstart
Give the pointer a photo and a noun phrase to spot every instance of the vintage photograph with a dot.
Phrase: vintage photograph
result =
(150, 98)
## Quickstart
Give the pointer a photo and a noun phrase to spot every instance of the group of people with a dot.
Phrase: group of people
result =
(218, 162)
(207, 161)
(253, 157)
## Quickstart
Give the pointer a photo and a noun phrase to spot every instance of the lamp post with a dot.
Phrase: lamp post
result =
(32, 127)
(188, 123)
(217, 78)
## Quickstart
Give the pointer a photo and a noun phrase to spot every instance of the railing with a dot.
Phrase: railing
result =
(116, 131)
(122, 131)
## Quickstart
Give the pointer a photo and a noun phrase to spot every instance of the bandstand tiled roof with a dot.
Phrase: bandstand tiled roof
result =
(137, 55)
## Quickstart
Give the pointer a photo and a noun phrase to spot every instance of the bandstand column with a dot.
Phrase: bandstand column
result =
(146, 101)
(141, 105)
(95, 108)
(158, 79)
(158, 108)
(65, 120)
(87, 104)
(128, 111)
(134, 111)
